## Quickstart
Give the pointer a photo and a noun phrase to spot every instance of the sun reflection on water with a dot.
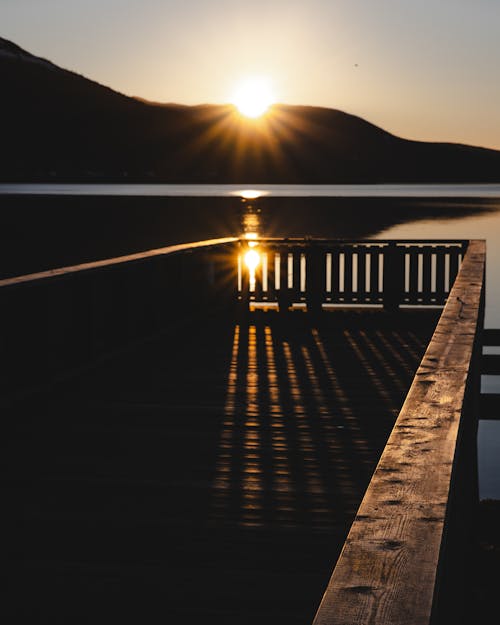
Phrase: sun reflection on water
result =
(250, 194)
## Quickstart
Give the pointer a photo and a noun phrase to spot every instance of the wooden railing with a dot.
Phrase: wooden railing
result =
(405, 558)
(317, 272)
(54, 321)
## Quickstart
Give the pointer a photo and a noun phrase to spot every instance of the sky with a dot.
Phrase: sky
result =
(421, 69)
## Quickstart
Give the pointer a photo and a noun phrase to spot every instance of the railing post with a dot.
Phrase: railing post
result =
(244, 302)
(283, 295)
(314, 280)
(393, 276)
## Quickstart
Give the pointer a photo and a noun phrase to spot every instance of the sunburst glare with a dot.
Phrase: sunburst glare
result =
(253, 96)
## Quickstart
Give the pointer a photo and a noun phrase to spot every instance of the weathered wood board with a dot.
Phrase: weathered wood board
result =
(387, 572)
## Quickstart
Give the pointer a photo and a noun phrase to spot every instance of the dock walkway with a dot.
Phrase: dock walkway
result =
(211, 475)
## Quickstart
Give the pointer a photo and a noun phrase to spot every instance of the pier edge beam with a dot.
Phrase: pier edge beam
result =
(390, 569)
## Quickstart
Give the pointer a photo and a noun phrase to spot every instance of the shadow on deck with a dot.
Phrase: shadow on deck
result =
(212, 475)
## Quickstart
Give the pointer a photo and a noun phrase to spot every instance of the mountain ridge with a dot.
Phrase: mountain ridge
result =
(58, 125)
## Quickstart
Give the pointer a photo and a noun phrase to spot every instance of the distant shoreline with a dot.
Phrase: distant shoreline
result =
(272, 190)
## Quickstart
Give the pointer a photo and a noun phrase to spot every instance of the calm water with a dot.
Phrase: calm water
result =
(144, 216)
(277, 190)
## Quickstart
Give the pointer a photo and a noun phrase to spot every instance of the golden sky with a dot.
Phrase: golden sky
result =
(423, 70)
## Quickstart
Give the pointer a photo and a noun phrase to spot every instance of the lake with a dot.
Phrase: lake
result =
(275, 190)
(48, 225)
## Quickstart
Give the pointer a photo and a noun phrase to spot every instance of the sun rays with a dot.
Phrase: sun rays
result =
(238, 143)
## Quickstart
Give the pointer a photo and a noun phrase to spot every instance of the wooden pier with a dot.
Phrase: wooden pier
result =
(176, 447)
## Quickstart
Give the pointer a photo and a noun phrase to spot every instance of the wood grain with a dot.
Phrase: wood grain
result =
(387, 571)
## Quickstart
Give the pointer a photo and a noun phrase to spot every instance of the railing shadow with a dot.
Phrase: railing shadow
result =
(213, 474)
(309, 407)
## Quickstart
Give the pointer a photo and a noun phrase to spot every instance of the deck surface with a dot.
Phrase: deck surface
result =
(210, 476)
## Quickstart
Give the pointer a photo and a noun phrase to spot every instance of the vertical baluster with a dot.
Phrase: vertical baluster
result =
(239, 276)
(348, 266)
(335, 274)
(264, 257)
(426, 277)
(271, 275)
(289, 268)
(296, 295)
(302, 286)
(283, 296)
(277, 272)
(440, 271)
(413, 285)
(243, 281)
(374, 273)
(257, 293)
(433, 273)
(361, 291)
(328, 276)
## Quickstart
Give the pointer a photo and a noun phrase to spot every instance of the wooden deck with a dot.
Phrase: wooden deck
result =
(212, 475)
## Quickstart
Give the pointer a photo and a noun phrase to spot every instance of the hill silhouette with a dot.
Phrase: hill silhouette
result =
(59, 126)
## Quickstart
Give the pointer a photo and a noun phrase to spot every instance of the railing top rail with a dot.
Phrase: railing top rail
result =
(110, 262)
(387, 571)
(376, 242)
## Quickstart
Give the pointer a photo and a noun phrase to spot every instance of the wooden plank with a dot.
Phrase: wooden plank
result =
(387, 573)
(489, 407)
(328, 242)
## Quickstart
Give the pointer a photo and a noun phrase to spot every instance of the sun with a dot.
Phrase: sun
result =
(253, 97)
